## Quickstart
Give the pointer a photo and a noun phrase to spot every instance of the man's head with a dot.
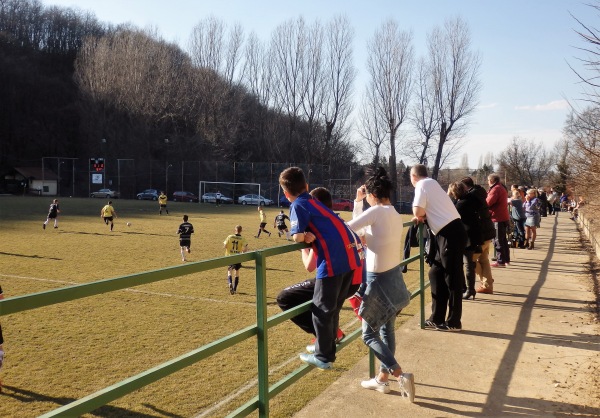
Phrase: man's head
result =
(55, 201)
(259, 208)
(323, 196)
(417, 172)
(281, 211)
(185, 218)
(110, 202)
(293, 182)
(493, 179)
(238, 229)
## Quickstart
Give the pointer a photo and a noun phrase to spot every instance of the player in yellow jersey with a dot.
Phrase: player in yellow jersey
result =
(162, 203)
(234, 244)
(263, 222)
(108, 213)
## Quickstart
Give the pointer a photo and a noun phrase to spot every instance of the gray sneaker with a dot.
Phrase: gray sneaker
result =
(313, 361)
(407, 386)
(1, 358)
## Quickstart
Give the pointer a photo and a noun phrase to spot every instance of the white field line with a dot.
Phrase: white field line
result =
(254, 382)
(170, 295)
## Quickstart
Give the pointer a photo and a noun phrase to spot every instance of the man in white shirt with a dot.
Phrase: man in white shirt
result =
(446, 275)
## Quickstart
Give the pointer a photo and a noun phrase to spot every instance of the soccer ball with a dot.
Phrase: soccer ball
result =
(128, 223)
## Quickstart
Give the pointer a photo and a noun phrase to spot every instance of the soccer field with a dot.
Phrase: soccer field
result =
(63, 352)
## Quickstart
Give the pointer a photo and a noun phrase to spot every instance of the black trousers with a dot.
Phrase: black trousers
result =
(299, 293)
(328, 300)
(447, 276)
(501, 243)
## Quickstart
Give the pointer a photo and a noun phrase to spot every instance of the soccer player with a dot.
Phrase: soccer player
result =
(218, 198)
(108, 213)
(185, 232)
(281, 226)
(263, 222)
(52, 214)
(162, 203)
(234, 244)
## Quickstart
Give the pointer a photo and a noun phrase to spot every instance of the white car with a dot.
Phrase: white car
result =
(212, 198)
(254, 199)
(107, 193)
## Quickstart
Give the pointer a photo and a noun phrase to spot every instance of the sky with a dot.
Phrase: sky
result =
(526, 48)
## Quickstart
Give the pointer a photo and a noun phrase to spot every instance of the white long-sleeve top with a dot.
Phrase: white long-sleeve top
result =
(382, 228)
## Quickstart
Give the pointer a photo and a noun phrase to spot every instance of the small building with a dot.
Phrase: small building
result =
(30, 180)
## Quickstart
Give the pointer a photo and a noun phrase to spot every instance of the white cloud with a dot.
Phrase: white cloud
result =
(553, 105)
(487, 106)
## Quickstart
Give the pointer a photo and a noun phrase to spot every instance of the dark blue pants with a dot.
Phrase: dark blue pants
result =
(328, 300)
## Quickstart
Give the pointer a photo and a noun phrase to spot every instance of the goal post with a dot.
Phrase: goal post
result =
(227, 189)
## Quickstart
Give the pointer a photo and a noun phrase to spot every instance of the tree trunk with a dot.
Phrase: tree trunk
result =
(393, 174)
(438, 155)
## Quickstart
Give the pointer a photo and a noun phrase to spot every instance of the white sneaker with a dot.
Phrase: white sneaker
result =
(407, 386)
(311, 349)
(373, 384)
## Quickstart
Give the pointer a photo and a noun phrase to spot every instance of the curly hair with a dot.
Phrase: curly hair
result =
(379, 184)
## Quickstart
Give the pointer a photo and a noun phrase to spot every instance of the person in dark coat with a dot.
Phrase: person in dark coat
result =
(467, 207)
(482, 264)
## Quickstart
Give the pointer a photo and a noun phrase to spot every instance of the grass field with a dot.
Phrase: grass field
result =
(63, 352)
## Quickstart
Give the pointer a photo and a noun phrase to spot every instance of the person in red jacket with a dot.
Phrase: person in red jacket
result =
(497, 200)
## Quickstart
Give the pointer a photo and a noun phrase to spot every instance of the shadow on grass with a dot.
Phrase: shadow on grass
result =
(27, 396)
(30, 256)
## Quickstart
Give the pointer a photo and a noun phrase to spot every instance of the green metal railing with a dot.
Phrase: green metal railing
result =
(260, 329)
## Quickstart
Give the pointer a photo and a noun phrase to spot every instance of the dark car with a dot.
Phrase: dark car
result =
(284, 202)
(343, 204)
(148, 194)
(185, 197)
(404, 208)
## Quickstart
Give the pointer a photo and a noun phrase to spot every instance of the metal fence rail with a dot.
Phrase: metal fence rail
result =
(260, 329)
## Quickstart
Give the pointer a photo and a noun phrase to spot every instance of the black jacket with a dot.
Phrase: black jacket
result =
(469, 215)
(478, 194)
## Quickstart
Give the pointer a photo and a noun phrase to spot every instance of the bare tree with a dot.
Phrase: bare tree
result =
(288, 44)
(372, 128)
(525, 162)
(424, 115)
(340, 74)
(455, 71)
(390, 65)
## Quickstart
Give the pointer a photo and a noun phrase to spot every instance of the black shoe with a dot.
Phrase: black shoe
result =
(432, 325)
(43, 226)
(446, 327)
(469, 293)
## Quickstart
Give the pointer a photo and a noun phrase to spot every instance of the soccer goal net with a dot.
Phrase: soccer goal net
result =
(209, 189)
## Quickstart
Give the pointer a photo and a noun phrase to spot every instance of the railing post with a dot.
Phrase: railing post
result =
(422, 273)
(261, 321)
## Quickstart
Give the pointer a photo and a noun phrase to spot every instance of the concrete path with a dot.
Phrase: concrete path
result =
(530, 349)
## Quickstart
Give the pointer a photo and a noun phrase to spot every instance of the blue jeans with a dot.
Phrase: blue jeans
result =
(382, 339)
(383, 343)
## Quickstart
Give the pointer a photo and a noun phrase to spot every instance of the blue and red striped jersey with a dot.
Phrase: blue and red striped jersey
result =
(335, 245)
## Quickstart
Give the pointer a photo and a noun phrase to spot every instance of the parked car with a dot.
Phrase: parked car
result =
(148, 194)
(185, 197)
(212, 198)
(107, 193)
(254, 199)
(343, 204)
(284, 202)
(404, 208)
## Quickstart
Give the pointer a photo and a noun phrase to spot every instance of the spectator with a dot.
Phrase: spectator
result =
(446, 274)
(497, 199)
(482, 264)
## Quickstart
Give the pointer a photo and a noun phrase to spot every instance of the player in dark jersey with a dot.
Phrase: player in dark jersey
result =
(52, 214)
(1, 338)
(185, 232)
(281, 226)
